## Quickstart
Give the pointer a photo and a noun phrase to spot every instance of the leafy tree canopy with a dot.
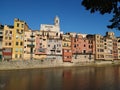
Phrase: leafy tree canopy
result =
(105, 6)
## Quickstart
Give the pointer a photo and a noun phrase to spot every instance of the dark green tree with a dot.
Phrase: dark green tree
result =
(105, 6)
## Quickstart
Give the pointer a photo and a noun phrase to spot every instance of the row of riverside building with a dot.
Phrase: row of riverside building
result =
(19, 42)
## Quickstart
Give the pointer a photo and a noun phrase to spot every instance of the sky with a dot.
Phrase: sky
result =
(73, 16)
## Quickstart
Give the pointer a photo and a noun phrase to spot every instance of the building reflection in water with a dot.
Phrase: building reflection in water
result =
(79, 78)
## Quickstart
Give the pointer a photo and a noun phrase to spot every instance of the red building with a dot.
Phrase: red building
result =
(67, 55)
(83, 44)
(7, 53)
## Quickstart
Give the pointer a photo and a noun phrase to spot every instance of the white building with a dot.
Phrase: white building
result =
(53, 28)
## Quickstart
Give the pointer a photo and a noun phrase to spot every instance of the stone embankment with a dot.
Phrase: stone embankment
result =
(29, 64)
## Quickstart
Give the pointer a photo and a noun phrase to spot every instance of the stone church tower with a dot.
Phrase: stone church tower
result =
(56, 21)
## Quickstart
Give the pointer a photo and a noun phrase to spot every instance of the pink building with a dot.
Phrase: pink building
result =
(83, 47)
(41, 46)
(81, 44)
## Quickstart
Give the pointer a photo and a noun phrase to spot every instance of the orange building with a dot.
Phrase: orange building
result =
(66, 48)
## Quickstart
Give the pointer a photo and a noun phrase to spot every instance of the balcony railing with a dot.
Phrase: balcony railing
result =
(30, 45)
(31, 40)
(32, 35)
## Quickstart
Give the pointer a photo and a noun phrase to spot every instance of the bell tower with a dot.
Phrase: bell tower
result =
(56, 21)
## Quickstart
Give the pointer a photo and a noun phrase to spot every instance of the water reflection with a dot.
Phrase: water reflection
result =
(79, 78)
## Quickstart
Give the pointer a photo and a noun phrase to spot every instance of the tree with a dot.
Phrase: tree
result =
(105, 6)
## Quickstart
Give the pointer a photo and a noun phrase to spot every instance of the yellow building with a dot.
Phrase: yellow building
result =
(28, 40)
(99, 47)
(18, 36)
(118, 43)
(66, 41)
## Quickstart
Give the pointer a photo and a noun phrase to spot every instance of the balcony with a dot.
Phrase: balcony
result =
(31, 40)
(30, 45)
(53, 48)
(32, 36)
(42, 50)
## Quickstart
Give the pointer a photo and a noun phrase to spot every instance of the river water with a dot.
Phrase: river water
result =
(74, 78)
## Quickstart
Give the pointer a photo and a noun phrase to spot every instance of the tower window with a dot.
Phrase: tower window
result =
(17, 43)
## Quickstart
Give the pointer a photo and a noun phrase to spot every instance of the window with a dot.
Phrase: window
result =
(17, 37)
(16, 50)
(48, 45)
(84, 51)
(58, 51)
(20, 55)
(54, 46)
(59, 45)
(84, 45)
(9, 44)
(89, 46)
(21, 31)
(65, 44)
(10, 38)
(22, 25)
(10, 32)
(65, 57)
(6, 37)
(21, 43)
(17, 30)
(16, 56)
(6, 43)
(44, 39)
(65, 50)
(17, 43)
(6, 32)
(74, 40)
(21, 50)
(21, 37)
(17, 24)
(89, 41)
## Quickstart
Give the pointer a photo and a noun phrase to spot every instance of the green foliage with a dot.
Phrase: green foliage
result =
(105, 6)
